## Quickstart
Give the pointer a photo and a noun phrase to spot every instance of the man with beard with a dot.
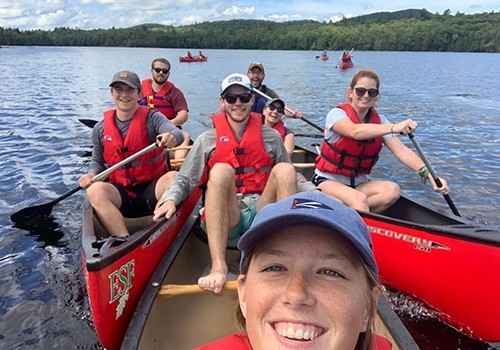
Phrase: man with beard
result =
(162, 95)
(256, 74)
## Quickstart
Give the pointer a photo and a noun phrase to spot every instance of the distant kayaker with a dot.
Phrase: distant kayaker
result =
(324, 54)
(346, 57)
(248, 167)
(353, 136)
(257, 74)
(308, 279)
(124, 131)
(162, 95)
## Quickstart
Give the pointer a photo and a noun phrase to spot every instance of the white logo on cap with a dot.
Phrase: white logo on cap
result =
(235, 78)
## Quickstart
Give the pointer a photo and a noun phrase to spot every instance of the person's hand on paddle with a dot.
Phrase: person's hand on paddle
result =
(404, 128)
(166, 140)
(290, 113)
(443, 189)
(297, 114)
(86, 180)
(167, 209)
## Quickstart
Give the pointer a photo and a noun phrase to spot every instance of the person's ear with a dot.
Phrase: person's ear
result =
(370, 309)
(242, 295)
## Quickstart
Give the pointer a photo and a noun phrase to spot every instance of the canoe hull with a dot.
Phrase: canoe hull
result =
(117, 276)
(345, 65)
(186, 59)
(448, 262)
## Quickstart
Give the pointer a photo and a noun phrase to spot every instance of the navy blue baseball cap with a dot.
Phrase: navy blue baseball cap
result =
(315, 209)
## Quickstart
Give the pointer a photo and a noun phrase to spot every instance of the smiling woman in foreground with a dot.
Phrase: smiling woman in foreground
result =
(308, 279)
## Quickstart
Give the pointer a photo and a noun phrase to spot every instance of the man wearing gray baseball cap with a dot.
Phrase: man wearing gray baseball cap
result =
(124, 131)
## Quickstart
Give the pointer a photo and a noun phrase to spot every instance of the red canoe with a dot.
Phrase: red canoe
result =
(193, 59)
(116, 275)
(346, 65)
(450, 263)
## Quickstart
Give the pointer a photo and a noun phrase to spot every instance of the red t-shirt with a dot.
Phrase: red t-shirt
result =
(176, 98)
(240, 342)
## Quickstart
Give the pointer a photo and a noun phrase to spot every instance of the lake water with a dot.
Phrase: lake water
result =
(455, 98)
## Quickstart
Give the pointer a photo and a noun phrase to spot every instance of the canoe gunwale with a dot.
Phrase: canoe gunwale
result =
(138, 321)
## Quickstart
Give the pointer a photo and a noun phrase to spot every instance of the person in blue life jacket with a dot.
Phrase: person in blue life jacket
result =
(256, 74)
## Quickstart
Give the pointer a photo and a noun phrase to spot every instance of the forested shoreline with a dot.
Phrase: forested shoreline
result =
(408, 30)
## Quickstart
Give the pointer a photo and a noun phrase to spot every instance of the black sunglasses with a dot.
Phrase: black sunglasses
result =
(279, 109)
(163, 70)
(231, 98)
(362, 91)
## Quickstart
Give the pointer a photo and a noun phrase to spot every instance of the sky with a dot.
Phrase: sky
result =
(90, 14)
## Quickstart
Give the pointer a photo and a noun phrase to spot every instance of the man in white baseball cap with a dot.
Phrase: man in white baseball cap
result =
(248, 167)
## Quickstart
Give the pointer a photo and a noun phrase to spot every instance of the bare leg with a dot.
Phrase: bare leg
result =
(374, 196)
(106, 201)
(347, 195)
(221, 213)
(380, 194)
(282, 183)
(162, 185)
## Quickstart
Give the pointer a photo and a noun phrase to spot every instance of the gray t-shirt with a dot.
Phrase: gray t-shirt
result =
(156, 124)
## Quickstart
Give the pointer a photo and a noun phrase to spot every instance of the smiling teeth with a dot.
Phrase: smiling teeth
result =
(298, 334)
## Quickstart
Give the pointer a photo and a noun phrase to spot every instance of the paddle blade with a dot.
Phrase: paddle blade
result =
(38, 211)
(42, 210)
(88, 122)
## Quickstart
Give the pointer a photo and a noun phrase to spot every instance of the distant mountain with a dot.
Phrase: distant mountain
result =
(406, 30)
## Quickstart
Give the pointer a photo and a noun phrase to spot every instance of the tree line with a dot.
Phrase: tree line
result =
(408, 30)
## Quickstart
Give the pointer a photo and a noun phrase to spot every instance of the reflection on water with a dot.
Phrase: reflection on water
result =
(45, 149)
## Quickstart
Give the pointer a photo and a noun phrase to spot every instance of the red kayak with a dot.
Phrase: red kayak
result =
(324, 58)
(346, 65)
(117, 273)
(450, 263)
(192, 59)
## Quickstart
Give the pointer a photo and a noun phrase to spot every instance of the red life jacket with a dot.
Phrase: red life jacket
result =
(248, 157)
(280, 127)
(157, 101)
(231, 342)
(149, 167)
(240, 342)
(347, 156)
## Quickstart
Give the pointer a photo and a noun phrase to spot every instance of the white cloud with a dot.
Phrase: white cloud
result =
(237, 11)
(191, 20)
(88, 14)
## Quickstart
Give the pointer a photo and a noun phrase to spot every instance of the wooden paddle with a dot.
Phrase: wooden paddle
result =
(297, 165)
(176, 290)
(433, 174)
(44, 210)
(290, 110)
